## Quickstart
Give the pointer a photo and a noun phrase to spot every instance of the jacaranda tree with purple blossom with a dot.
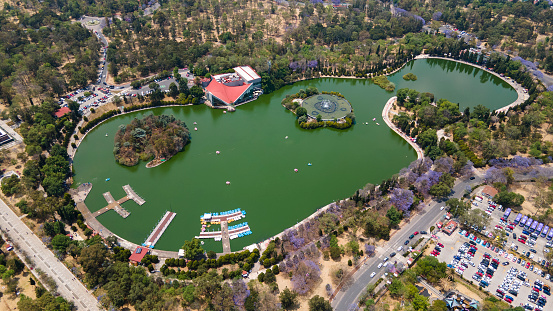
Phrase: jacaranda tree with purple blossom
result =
(402, 199)
(306, 275)
(240, 292)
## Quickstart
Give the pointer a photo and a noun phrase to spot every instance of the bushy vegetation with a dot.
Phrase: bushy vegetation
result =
(152, 137)
(410, 77)
(384, 83)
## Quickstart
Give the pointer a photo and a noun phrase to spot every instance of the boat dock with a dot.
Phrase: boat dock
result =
(159, 229)
(233, 232)
(132, 195)
(116, 205)
(218, 218)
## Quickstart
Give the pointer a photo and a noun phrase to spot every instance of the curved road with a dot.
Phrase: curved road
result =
(431, 214)
(68, 286)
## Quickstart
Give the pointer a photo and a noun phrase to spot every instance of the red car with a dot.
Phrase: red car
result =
(522, 241)
(415, 233)
(441, 245)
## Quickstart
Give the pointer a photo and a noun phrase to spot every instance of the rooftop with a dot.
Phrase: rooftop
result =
(227, 94)
(138, 254)
(62, 111)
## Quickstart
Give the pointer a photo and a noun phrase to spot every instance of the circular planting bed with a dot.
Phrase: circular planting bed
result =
(330, 107)
(93, 22)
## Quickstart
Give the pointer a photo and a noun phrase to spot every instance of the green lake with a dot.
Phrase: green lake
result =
(259, 162)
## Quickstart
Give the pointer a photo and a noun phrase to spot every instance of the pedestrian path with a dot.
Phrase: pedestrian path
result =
(386, 117)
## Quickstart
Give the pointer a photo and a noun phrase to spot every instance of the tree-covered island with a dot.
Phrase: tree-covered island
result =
(155, 138)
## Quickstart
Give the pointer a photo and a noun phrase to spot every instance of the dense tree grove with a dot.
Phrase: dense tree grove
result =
(152, 137)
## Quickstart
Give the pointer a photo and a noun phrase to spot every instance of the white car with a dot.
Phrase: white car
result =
(442, 208)
(379, 265)
(373, 274)
(399, 248)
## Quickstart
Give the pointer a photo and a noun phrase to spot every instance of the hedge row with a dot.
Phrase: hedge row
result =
(99, 119)
(470, 155)
(244, 256)
(337, 125)
(150, 105)
(333, 93)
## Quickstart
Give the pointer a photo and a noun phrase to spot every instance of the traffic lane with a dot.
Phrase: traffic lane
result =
(29, 243)
(352, 294)
(344, 299)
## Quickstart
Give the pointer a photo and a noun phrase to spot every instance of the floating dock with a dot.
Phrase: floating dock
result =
(116, 205)
(132, 195)
(228, 216)
(159, 229)
(233, 232)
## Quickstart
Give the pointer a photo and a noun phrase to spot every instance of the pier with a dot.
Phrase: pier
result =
(225, 237)
(132, 195)
(116, 205)
(159, 229)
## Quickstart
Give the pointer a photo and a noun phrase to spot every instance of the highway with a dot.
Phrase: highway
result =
(25, 241)
(431, 214)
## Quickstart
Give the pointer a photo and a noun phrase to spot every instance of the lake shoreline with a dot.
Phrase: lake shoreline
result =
(372, 132)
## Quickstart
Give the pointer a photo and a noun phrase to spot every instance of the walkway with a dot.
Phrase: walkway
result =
(522, 95)
(112, 204)
(225, 237)
(105, 233)
(28, 244)
(159, 229)
(386, 117)
(132, 195)
(432, 289)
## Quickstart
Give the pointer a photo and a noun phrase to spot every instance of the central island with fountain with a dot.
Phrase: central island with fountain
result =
(314, 109)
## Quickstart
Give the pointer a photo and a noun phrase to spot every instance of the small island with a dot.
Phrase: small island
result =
(152, 138)
(410, 77)
(384, 83)
(314, 109)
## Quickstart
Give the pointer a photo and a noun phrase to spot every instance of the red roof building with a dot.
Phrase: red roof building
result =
(450, 227)
(62, 111)
(138, 254)
(224, 93)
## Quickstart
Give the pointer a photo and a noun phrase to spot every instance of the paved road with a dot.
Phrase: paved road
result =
(423, 221)
(68, 286)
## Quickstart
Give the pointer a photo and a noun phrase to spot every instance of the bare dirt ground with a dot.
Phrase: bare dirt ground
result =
(9, 300)
(327, 267)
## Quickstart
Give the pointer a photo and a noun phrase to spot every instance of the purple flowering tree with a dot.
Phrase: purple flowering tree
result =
(312, 63)
(240, 292)
(444, 165)
(437, 16)
(426, 181)
(421, 166)
(307, 274)
(370, 250)
(494, 174)
(402, 199)
(467, 170)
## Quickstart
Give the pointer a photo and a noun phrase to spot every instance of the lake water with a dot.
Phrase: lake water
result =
(259, 162)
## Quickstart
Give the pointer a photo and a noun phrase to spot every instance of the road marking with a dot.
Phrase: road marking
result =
(40, 257)
(68, 287)
(26, 242)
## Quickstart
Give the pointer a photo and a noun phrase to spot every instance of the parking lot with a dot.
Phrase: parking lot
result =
(511, 276)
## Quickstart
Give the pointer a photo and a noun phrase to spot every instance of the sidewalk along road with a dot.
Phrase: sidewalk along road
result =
(68, 286)
(422, 221)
